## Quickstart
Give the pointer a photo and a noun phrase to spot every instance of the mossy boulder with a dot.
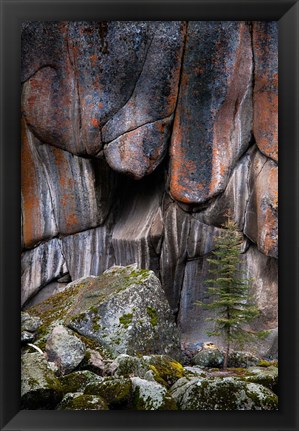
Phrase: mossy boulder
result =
(194, 371)
(226, 393)
(265, 376)
(148, 395)
(166, 370)
(77, 381)
(128, 366)
(208, 358)
(117, 392)
(242, 360)
(40, 389)
(126, 311)
(79, 401)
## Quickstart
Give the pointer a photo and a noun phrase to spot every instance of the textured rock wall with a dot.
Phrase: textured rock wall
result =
(137, 138)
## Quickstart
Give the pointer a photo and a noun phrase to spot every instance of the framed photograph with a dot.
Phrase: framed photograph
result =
(146, 149)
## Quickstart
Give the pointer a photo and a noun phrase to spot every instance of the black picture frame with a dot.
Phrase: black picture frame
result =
(13, 12)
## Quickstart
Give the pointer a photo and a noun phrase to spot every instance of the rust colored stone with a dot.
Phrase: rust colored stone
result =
(38, 221)
(265, 96)
(214, 115)
(140, 151)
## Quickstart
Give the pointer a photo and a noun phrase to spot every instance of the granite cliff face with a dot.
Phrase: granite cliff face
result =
(137, 138)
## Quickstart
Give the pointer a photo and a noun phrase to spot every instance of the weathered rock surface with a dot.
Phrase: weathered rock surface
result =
(212, 358)
(266, 376)
(40, 389)
(82, 189)
(151, 396)
(64, 349)
(96, 253)
(265, 95)
(226, 393)
(213, 117)
(117, 392)
(261, 220)
(125, 310)
(38, 218)
(41, 265)
(78, 380)
(137, 232)
(141, 150)
(169, 104)
(80, 401)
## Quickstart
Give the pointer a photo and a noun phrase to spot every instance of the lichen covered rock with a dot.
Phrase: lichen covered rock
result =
(151, 396)
(40, 389)
(126, 311)
(117, 392)
(266, 376)
(209, 358)
(226, 393)
(79, 401)
(77, 381)
(65, 349)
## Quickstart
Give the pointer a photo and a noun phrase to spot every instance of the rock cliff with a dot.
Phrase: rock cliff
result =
(137, 138)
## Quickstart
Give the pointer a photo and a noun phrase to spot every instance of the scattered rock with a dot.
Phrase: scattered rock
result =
(27, 337)
(77, 381)
(40, 389)
(149, 395)
(79, 401)
(66, 350)
(29, 323)
(242, 360)
(166, 371)
(226, 393)
(266, 376)
(210, 358)
(93, 361)
(117, 392)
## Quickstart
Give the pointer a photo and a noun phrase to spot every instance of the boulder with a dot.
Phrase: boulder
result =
(242, 360)
(80, 401)
(65, 349)
(210, 358)
(128, 366)
(117, 392)
(29, 323)
(77, 381)
(266, 376)
(126, 311)
(40, 389)
(93, 361)
(228, 393)
(166, 371)
(149, 395)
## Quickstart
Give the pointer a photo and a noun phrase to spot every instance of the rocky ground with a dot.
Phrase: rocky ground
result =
(111, 342)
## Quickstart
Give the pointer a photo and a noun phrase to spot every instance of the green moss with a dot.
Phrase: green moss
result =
(166, 370)
(152, 313)
(264, 363)
(84, 402)
(126, 319)
(116, 392)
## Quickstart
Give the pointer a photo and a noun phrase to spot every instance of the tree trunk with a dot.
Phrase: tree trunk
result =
(226, 356)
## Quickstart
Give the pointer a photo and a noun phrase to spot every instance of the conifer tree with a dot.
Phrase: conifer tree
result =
(229, 291)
